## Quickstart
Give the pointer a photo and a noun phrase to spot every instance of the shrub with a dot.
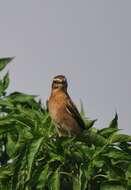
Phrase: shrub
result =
(32, 156)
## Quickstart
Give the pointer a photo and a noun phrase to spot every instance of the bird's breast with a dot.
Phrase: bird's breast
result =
(56, 108)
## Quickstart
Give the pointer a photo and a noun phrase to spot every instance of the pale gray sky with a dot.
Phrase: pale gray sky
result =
(89, 41)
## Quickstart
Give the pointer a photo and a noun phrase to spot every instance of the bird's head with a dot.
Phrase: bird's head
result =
(60, 83)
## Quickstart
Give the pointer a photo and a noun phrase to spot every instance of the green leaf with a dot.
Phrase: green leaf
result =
(5, 172)
(43, 177)
(56, 157)
(19, 163)
(117, 154)
(114, 122)
(116, 174)
(4, 84)
(6, 81)
(93, 137)
(76, 182)
(11, 146)
(120, 138)
(20, 97)
(98, 162)
(82, 112)
(83, 177)
(125, 146)
(4, 62)
(6, 103)
(6, 125)
(55, 180)
(24, 100)
(108, 186)
(32, 151)
(106, 132)
(89, 171)
(128, 175)
(89, 123)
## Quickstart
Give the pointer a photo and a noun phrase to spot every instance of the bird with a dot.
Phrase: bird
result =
(62, 109)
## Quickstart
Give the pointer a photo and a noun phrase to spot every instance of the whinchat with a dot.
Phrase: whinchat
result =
(62, 109)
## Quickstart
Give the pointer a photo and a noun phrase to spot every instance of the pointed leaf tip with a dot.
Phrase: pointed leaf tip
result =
(90, 123)
(114, 122)
(82, 111)
(4, 61)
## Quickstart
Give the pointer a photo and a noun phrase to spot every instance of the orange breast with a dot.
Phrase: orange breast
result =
(56, 106)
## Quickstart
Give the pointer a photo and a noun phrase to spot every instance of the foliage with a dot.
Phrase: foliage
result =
(32, 156)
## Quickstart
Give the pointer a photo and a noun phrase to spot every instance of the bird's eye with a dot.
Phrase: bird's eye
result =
(57, 82)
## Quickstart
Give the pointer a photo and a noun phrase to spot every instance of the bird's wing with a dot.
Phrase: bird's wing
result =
(73, 111)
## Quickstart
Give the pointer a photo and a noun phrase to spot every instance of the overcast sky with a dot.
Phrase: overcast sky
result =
(88, 41)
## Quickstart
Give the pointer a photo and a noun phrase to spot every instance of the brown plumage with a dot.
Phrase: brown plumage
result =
(62, 110)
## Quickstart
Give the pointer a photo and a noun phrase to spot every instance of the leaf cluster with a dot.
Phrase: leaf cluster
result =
(33, 156)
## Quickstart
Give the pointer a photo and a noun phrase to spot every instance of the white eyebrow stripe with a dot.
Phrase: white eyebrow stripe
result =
(57, 80)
